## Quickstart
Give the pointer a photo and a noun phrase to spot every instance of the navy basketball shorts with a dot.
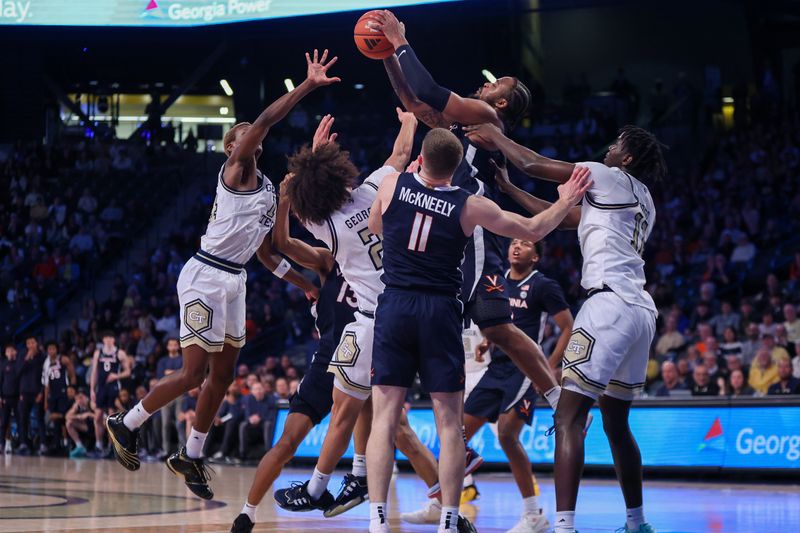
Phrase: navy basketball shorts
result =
(105, 395)
(489, 305)
(418, 333)
(314, 396)
(502, 388)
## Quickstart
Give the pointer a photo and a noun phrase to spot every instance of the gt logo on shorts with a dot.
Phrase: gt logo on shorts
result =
(348, 349)
(579, 348)
(197, 316)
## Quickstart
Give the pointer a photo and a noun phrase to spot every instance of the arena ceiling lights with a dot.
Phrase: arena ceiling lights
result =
(166, 13)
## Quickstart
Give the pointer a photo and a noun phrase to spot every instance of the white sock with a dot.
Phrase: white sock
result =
(378, 518)
(531, 505)
(359, 465)
(552, 396)
(194, 444)
(634, 517)
(250, 511)
(318, 484)
(565, 522)
(448, 523)
(136, 417)
(469, 481)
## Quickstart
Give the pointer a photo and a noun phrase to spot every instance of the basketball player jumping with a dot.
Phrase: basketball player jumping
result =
(610, 344)
(317, 395)
(501, 103)
(322, 196)
(211, 288)
(426, 224)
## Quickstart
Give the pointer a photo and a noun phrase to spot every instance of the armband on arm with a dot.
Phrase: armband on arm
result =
(283, 267)
(420, 80)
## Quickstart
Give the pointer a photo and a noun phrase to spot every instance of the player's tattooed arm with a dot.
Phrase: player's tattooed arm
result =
(266, 254)
(523, 158)
(530, 203)
(401, 152)
(424, 112)
(317, 259)
(243, 151)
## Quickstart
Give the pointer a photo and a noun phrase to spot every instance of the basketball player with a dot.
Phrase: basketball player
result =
(321, 195)
(78, 418)
(504, 395)
(58, 373)
(211, 288)
(501, 103)
(110, 365)
(426, 223)
(313, 400)
(607, 355)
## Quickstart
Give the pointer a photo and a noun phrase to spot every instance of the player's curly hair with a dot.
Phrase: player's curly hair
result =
(321, 182)
(647, 153)
(518, 99)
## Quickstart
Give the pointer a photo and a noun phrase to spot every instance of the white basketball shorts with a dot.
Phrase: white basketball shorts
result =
(609, 347)
(212, 303)
(351, 364)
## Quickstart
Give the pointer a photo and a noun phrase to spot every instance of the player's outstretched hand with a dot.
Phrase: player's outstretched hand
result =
(415, 165)
(482, 132)
(575, 187)
(312, 295)
(318, 69)
(501, 177)
(323, 134)
(405, 116)
(393, 29)
(481, 349)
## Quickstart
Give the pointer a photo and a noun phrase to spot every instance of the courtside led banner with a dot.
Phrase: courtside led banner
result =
(173, 12)
(723, 437)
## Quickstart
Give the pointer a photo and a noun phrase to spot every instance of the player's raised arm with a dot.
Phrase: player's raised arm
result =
(424, 112)
(523, 158)
(317, 259)
(282, 269)
(250, 142)
(482, 212)
(422, 84)
(403, 144)
(530, 203)
(381, 204)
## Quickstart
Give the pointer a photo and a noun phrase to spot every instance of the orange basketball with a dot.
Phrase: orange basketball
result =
(372, 43)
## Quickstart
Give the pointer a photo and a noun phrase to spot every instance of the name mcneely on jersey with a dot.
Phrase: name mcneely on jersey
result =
(425, 201)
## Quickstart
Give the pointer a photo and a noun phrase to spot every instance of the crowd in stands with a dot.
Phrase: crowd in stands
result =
(723, 265)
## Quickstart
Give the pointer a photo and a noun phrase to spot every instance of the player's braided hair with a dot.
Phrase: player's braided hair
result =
(519, 98)
(321, 182)
(647, 153)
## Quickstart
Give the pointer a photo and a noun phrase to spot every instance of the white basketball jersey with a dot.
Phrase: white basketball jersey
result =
(239, 220)
(617, 217)
(358, 252)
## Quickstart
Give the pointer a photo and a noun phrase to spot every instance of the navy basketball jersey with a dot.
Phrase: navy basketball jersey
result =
(532, 300)
(485, 253)
(333, 311)
(56, 377)
(423, 241)
(107, 364)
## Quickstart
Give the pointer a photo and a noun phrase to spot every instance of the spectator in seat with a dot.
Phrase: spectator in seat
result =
(751, 344)
(169, 413)
(186, 414)
(711, 362)
(730, 346)
(293, 386)
(670, 380)
(787, 384)
(684, 371)
(767, 325)
(122, 161)
(725, 319)
(226, 425)
(671, 339)
(791, 323)
(776, 352)
(87, 203)
(259, 420)
(744, 252)
(80, 424)
(703, 386)
(82, 242)
(763, 372)
(782, 339)
(282, 388)
(737, 387)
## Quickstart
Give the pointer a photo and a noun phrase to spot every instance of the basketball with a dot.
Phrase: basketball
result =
(370, 42)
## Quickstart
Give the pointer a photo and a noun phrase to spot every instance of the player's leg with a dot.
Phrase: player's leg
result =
(387, 405)
(615, 405)
(509, 427)
(354, 490)
(528, 357)
(426, 467)
(448, 409)
(99, 418)
(599, 343)
(74, 430)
